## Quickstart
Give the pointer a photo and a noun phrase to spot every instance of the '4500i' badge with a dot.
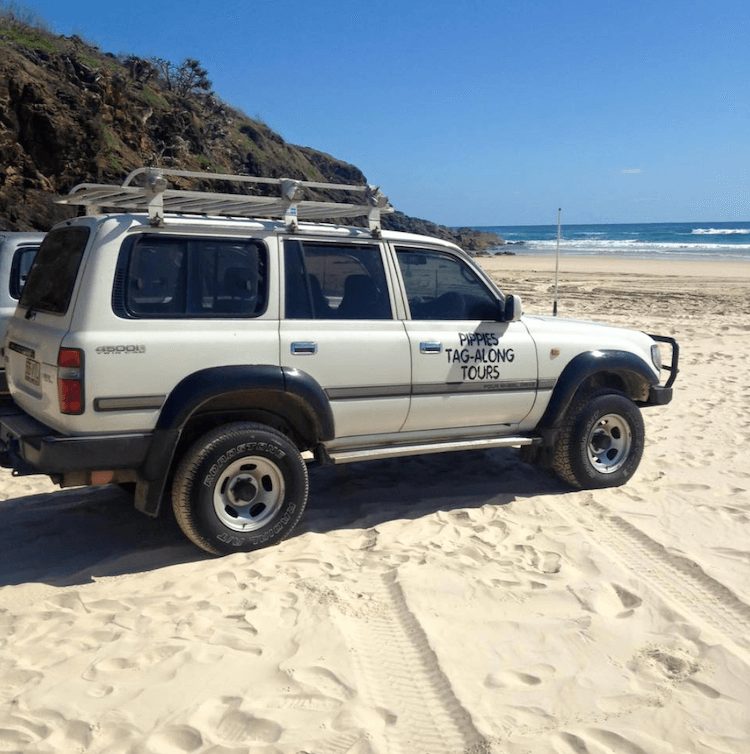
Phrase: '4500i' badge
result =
(117, 350)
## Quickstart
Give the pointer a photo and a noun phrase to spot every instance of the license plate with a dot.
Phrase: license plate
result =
(33, 372)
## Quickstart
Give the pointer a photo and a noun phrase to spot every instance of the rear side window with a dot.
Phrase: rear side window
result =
(178, 277)
(335, 281)
(19, 270)
(53, 274)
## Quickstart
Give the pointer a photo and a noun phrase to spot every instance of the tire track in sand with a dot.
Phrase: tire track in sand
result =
(679, 580)
(401, 674)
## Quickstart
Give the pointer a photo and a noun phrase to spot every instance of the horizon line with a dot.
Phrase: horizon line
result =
(649, 222)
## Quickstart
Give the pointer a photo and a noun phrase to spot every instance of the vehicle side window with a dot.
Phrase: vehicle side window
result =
(53, 275)
(19, 269)
(335, 281)
(442, 286)
(176, 277)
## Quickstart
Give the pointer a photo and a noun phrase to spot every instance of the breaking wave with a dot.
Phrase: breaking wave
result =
(721, 231)
(632, 247)
(694, 240)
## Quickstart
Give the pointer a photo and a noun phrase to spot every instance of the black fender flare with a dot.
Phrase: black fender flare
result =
(632, 369)
(200, 387)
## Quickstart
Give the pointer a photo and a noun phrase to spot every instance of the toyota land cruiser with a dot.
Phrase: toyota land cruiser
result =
(185, 347)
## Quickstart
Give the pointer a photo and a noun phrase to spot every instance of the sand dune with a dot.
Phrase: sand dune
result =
(455, 603)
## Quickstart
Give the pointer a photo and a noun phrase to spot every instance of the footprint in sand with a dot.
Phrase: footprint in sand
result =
(543, 561)
(704, 689)
(510, 678)
(15, 678)
(607, 600)
(237, 641)
(692, 487)
(109, 666)
(175, 739)
(507, 583)
(323, 681)
(228, 580)
(670, 663)
(237, 726)
(68, 601)
(223, 718)
(734, 513)
(23, 730)
(99, 690)
(14, 740)
(629, 600)
(518, 679)
(595, 740)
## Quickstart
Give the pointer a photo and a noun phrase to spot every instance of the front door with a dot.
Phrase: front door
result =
(339, 327)
(469, 369)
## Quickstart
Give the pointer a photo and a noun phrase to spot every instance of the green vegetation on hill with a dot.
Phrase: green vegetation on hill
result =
(70, 113)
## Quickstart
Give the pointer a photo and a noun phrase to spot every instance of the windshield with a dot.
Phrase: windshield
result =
(53, 274)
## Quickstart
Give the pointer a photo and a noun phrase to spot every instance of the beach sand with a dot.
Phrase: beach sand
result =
(454, 603)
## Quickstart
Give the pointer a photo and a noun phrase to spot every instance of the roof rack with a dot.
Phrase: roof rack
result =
(156, 198)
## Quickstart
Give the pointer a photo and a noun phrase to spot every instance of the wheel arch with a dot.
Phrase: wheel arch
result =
(620, 371)
(288, 400)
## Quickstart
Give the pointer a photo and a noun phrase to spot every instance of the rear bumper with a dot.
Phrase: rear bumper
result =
(30, 447)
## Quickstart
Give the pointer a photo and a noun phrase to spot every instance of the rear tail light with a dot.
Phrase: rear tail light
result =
(70, 380)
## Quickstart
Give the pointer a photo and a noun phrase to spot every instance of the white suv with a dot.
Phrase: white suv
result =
(205, 356)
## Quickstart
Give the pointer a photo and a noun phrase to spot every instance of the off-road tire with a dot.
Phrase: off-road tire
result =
(589, 418)
(214, 461)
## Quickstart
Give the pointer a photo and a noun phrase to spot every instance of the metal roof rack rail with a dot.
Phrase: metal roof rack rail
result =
(156, 198)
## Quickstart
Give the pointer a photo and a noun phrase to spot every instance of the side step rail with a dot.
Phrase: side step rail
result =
(398, 451)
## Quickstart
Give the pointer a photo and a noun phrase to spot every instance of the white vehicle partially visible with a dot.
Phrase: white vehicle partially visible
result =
(17, 252)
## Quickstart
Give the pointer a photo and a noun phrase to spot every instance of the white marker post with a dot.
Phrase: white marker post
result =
(557, 263)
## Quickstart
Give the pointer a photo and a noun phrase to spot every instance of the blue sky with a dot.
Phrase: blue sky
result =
(479, 112)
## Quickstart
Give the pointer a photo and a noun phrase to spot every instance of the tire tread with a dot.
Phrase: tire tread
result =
(564, 452)
(187, 470)
(562, 463)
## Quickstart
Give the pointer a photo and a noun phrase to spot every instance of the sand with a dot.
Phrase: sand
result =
(455, 603)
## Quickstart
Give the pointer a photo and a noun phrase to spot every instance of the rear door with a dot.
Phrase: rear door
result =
(43, 318)
(469, 370)
(339, 327)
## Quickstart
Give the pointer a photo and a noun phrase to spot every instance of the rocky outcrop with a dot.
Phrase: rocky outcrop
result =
(70, 113)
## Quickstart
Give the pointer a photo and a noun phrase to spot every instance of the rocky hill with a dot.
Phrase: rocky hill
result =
(71, 113)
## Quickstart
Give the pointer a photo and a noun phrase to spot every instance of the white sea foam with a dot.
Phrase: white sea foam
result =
(721, 231)
(633, 248)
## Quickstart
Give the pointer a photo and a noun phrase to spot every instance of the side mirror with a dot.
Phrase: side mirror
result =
(513, 309)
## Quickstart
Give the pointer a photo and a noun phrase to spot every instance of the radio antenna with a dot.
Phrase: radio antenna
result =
(557, 263)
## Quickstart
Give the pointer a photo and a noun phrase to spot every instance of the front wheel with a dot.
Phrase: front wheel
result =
(240, 487)
(601, 443)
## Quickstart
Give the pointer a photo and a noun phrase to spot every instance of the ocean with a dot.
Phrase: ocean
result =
(697, 240)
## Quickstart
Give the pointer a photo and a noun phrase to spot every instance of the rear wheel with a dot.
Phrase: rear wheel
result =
(240, 487)
(601, 443)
